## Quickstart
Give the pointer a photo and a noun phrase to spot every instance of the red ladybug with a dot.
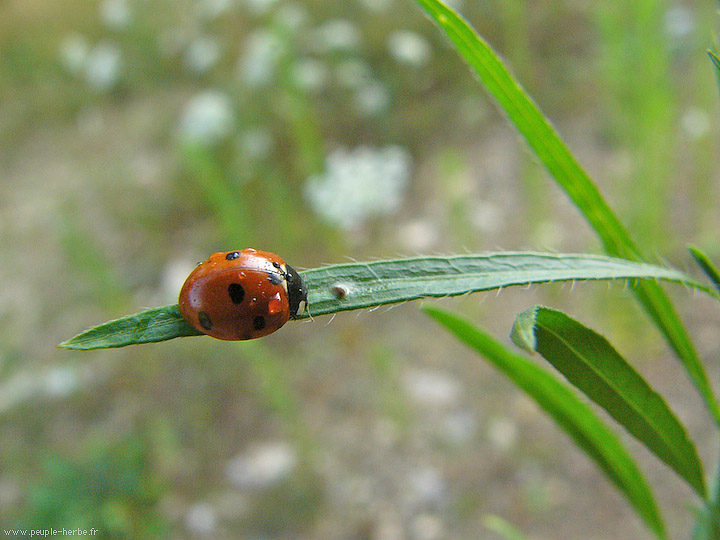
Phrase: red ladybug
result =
(242, 295)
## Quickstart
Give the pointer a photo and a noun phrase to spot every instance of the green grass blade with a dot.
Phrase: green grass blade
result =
(707, 526)
(149, 326)
(589, 362)
(706, 265)
(344, 287)
(377, 283)
(567, 172)
(570, 413)
(714, 58)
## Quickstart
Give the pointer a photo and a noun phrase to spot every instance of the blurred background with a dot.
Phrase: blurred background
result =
(137, 137)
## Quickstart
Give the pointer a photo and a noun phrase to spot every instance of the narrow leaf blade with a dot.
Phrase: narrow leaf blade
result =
(707, 526)
(714, 58)
(149, 326)
(351, 286)
(706, 265)
(588, 361)
(377, 283)
(570, 413)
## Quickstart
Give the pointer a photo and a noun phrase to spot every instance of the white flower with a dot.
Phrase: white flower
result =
(262, 52)
(201, 519)
(372, 97)
(202, 54)
(262, 465)
(207, 119)
(102, 66)
(359, 184)
(74, 51)
(337, 34)
(425, 485)
(256, 143)
(487, 216)
(309, 74)
(60, 381)
(502, 433)
(115, 14)
(459, 426)
(679, 22)
(418, 235)
(433, 389)
(696, 122)
(409, 48)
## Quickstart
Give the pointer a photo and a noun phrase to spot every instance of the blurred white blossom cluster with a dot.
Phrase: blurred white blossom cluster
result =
(207, 118)
(99, 65)
(281, 45)
(359, 184)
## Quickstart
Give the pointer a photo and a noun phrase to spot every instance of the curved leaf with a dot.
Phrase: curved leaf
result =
(714, 57)
(571, 414)
(706, 265)
(151, 325)
(707, 526)
(344, 287)
(589, 362)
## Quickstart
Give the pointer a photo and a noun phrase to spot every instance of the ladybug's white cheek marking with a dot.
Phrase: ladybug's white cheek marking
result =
(283, 282)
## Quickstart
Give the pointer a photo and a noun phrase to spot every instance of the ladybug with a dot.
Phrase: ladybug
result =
(243, 294)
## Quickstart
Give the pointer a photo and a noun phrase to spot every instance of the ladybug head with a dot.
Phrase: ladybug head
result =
(297, 292)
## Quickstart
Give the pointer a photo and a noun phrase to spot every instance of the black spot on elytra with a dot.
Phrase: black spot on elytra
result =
(205, 320)
(232, 255)
(259, 322)
(236, 292)
(275, 279)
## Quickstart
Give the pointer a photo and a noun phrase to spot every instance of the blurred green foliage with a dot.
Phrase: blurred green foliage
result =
(137, 137)
(111, 489)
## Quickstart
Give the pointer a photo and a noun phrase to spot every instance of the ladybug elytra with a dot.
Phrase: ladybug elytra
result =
(246, 294)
